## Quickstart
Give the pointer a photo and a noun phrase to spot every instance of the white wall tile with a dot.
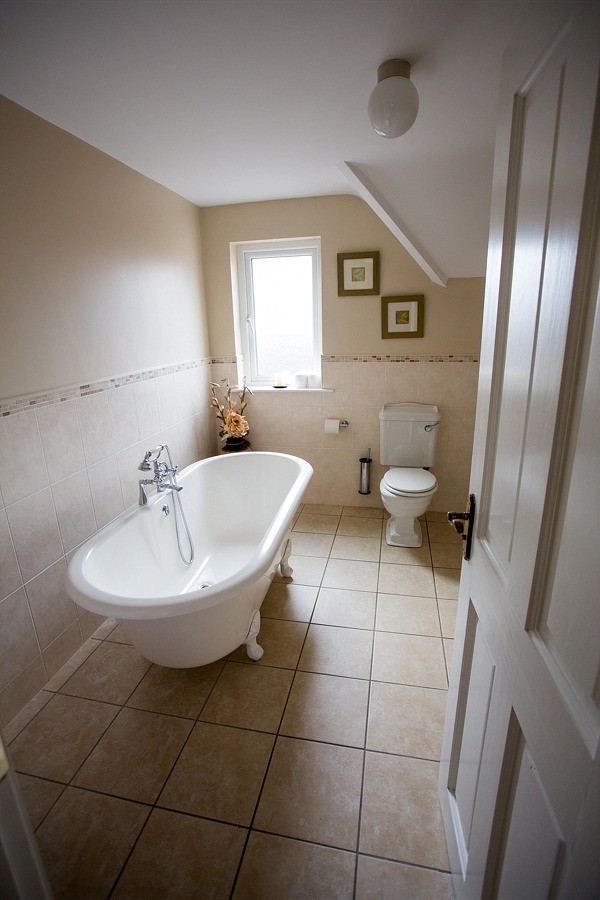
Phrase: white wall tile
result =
(105, 487)
(96, 427)
(123, 416)
(16, 627)
(61, 439)
(22, 464)
(146, 402)
(74, 509)
(51, 608)
(10, 574)
(34, 529)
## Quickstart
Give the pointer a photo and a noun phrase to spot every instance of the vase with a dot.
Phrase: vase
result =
(235, 444)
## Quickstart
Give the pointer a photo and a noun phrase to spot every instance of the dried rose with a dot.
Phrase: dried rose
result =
(236, 425)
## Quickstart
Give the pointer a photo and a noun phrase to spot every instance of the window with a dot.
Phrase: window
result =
(279, 307)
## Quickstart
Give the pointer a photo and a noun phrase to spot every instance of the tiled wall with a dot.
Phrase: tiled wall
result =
(68, 466)
(293, 422)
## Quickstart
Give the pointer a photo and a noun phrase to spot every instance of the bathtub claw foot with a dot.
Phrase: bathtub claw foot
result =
(284, 566)
(253, 649)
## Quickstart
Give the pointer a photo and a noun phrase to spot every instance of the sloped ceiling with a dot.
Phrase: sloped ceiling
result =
(231, 101)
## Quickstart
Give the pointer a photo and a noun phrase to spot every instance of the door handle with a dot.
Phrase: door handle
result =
(458, 520)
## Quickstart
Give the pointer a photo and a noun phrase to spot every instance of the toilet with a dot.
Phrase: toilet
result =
(408, 436)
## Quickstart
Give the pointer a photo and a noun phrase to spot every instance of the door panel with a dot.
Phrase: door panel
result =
(520, 752)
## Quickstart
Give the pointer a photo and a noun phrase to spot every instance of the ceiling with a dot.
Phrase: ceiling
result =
(233, 101)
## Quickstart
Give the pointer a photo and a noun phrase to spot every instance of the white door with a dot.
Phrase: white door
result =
(520, 773)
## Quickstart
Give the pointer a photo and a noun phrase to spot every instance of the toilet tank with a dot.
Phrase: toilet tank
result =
(408, 434)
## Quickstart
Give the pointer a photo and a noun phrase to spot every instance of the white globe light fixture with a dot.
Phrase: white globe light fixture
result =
(394, 103)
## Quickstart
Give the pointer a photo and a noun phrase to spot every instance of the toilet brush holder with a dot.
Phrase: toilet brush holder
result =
(365, 474)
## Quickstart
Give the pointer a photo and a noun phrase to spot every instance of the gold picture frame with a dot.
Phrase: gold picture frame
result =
(403, 317)
(358, 273)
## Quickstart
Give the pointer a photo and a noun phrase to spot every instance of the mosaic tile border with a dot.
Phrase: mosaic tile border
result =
(410, 357)
(48, 398)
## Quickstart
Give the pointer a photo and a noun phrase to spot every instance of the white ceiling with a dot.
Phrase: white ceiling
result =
(231, 101)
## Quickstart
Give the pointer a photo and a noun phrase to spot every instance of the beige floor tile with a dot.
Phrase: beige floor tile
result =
(381, 878)
(401, 816)
(117, 636)
(282, 642)
(437, 516)
(443, 533)
(448, 609)
(294, 602)
(358, 548)
(330, 650)
(412, 581)
(249, 697)
(151, 740)
(350, 609)
(182, 856)
(307, 570)
(447, 582)
(406, 556)
(24, 717)
(71, 666)
(322, 509)
(327, 708)
(219, 773)
(291, 804)
(448, 556)
(39, 796)
(367, 512)
(308, 544)
(276, 867)
(353, 526)
(85, 840)
(409, 659)
(60, 737)
(351, 575)
(411, 615)
(317, 524)
(175, 692)
(406, 720)
(110, 674)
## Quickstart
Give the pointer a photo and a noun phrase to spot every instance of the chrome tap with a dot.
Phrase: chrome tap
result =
(165, 475)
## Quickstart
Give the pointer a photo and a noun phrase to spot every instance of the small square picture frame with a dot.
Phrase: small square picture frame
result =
(358, 273)
(402, 317)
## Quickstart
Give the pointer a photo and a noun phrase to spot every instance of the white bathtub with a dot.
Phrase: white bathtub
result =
(239, 509)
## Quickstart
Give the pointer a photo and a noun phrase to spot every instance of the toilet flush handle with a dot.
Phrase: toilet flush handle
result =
(431, 426)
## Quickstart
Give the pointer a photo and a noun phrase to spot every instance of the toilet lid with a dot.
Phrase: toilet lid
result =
(402, 480)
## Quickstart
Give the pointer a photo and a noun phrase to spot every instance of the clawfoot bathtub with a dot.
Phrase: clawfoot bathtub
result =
(240, 510)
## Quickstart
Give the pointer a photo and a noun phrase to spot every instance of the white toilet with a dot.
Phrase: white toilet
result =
(408, 433)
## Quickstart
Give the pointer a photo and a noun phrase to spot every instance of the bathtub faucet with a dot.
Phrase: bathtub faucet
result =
(165, 475)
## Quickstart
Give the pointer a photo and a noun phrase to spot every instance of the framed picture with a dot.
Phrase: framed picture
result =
(402, 317)
(358, 273)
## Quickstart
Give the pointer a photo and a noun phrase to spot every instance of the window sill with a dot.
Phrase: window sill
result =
(267, 388)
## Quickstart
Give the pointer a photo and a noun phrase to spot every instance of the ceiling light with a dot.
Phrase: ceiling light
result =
(394, 103)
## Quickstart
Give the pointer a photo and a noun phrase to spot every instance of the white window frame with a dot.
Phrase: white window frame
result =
(242, 256)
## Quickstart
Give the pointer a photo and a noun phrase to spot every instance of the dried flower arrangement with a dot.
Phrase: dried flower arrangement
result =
(233, 423)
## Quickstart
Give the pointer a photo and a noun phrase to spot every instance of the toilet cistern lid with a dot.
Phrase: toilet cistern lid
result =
(409, 481)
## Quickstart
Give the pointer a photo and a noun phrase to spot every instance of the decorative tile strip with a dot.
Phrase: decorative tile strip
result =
(225, 360)
(411, 357)
(35, 401)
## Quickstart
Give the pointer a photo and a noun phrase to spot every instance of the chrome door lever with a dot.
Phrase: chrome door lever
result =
(458, 519)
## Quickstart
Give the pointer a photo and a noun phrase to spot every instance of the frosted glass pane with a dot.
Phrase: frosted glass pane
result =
(283, 313)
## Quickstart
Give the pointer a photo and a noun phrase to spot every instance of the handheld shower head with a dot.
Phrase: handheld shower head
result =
(150, 457)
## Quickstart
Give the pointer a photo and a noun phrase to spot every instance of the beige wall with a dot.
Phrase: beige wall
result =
(351, 325)
(101, 267)
(101, 278)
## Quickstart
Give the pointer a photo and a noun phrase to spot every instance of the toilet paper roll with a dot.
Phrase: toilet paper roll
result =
(332, 426)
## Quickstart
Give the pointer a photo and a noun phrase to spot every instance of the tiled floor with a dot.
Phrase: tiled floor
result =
(311, 773)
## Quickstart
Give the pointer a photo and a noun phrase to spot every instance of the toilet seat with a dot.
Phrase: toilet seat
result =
(408, 482)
